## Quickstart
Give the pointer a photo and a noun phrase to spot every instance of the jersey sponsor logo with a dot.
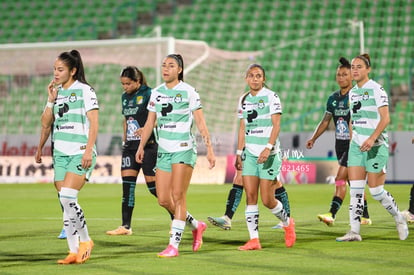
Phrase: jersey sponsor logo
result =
(168, 126)
(375, 165)
(359, 122)
(183, 144)
(341, 112)
(384, 99)
(63, 108)
(256, 131)
(251, 115)
(166, 108)
(65, 127)
(356, 106)
(131, 111)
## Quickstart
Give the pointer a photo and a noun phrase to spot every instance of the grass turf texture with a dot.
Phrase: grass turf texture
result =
(30, 221)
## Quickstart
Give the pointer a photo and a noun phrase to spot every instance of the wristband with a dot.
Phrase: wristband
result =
(269, 146)
(50, 104)
(239, 152)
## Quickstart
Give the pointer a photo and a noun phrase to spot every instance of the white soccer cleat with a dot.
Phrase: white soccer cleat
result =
(402, 227)
(351, 236)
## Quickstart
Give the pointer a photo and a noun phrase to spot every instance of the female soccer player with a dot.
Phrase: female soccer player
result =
(174, 105)
(72, 109)
(368, 150)
(337, 108)
(259, 112)
(134, 108)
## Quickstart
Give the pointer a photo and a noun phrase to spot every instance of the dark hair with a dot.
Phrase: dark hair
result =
(254, 65)
(251, 66)
(179, 59)
(73, 59)
(344, 63)
(134, 74)
(365, 57)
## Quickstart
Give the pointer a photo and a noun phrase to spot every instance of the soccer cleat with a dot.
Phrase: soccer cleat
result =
(290, 234)
(408, 216)
(70, 259)
(253, 244)
(84, 252)
(366, 221)
(222, 222)
(62, 234)
(122, 230)
(278, 226)
(402, 229)
(198, 236)
(349, 237)
(169, 252)
(327, 219)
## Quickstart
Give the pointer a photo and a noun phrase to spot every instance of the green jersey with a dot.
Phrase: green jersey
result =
(174, 109)
(71, 125)
(257, 113)
(365, 117)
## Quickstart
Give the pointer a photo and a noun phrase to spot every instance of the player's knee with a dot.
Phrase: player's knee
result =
(377, 192)
(340, 182)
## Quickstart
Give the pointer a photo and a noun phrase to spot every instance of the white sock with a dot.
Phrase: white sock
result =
(252, 220)
(386, 199)
(177, 230)
(72, 236)
(191, 222)
(356, 205)
(69, 200)
(280, 213)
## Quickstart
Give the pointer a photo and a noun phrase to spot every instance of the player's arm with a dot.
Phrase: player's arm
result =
(124, 126)
(384, 121)
(240, 144)
(93, 117)
(202, 128)
(145, 135)
(320, 129)
(44, 135)
(264, 155)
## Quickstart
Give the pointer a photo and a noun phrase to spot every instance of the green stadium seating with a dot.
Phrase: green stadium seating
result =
(238, 25)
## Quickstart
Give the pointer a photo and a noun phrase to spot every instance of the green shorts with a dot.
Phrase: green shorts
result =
(73, 164)
(374, 161)
(268, 170)
(166, 160)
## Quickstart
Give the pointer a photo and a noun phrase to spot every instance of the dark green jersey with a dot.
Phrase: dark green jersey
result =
(134, 109)
(338, 106)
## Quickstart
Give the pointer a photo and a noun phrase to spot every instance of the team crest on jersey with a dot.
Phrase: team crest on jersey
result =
(178, 98)
(365, 96)
(72, 97)
(140, 99)
(261, 104)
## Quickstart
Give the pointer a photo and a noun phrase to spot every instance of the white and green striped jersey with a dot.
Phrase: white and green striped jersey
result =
(364, 104)
(71, 125)
(257, 112)
(174, 110)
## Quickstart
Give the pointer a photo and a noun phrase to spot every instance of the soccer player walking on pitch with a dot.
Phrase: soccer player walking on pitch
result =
(259, 112)
(368, 150)
(134, 108)
(337, 108)
(72, 109)
(174, 105)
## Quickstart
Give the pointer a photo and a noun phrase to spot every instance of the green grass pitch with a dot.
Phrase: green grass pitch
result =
(30, 221)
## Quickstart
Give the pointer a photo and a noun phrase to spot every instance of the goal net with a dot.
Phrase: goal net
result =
(26, 69)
